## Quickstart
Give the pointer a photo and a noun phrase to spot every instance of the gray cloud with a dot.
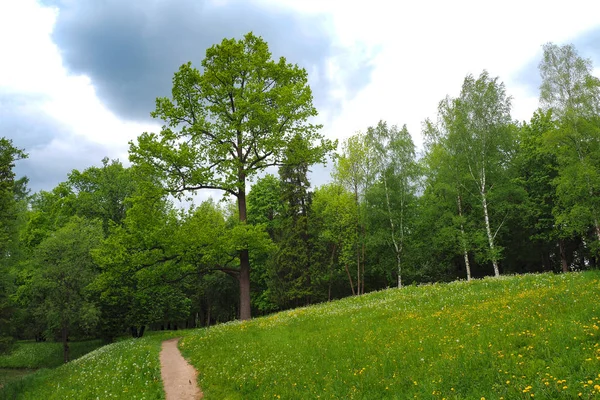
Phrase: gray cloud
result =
(587, 45)
(131, 49)
(53, 150)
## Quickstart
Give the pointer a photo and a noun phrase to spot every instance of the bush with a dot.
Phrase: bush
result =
(6, 343)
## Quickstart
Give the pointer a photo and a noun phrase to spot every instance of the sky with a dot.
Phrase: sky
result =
(78, 78)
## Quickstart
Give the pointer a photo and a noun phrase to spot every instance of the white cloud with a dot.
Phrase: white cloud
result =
(426, 49)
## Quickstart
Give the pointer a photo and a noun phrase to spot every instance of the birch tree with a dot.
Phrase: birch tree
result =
(354, 170)
(572, 93)
(393, 153)
(446, 179)
(480, 133)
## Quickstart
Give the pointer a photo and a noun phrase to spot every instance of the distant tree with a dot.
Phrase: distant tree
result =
(537, 168)
(396, 171)
(334, 222)
(62, 269)
(12, 193)
(573, 94)
(134, 262)
(354, 169)
(477, 130)
(227, 123)
(11, 190)
(265, 208)
(264, 204)
(293, 264)
(101, 192)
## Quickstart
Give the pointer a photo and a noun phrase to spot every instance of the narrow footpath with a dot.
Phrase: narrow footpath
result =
(179, 377)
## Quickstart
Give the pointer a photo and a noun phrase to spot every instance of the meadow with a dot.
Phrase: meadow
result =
(516, 337)
(25, 357)
(126, 369)
(33, 355)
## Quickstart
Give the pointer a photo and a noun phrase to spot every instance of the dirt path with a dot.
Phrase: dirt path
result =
(179, 377)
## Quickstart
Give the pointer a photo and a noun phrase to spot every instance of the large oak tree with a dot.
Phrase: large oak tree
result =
(228, 122)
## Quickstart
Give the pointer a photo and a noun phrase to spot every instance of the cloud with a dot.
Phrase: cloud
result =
(20, 120)
(53, 149)
(130, 50)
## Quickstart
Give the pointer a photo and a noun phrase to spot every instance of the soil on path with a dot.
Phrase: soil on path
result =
(179, 377)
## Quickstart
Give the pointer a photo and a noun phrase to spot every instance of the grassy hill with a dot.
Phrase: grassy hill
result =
(522, 337)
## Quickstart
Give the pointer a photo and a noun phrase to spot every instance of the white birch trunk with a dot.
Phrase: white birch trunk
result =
(489, 233)
(397, 247)
(463, 240)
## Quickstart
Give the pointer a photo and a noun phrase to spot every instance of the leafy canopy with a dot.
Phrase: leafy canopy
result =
(231, 120)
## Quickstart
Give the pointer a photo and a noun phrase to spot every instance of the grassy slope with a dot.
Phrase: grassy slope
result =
(125, 370)
(512, 337)
(26, 357)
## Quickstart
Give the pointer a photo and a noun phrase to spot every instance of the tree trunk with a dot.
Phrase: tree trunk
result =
(488, 229)
(331, 271)
(357, 232)
(245, 310)
(65, 340)
(357, 264)
(350, 279)
(397, 247)
(208, 315)
(399, 265)
(597, 229)
(563, 256)
(463, 240)
(362, 278)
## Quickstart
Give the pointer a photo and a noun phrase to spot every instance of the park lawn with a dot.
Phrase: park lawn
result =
(515, 337)
(27, 356)
(11, 374)
(31, 355)
(127, 369)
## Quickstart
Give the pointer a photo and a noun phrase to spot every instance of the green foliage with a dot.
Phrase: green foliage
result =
(391, 200)
(236, 117)
(334, 221)
(264, 203)
(60, 271)
(229, 122)
(136, 262)
(573, 94)
(102, 192)
(509, 337)
(12, 208)
(9, 192)
(476, 134)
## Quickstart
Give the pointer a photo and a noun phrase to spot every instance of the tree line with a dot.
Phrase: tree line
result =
(108, 251)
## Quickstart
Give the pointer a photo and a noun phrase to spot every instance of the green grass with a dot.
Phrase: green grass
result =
(507, 338)
(510, 338)
(9, 375)
(128, 369)
(44, 354)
